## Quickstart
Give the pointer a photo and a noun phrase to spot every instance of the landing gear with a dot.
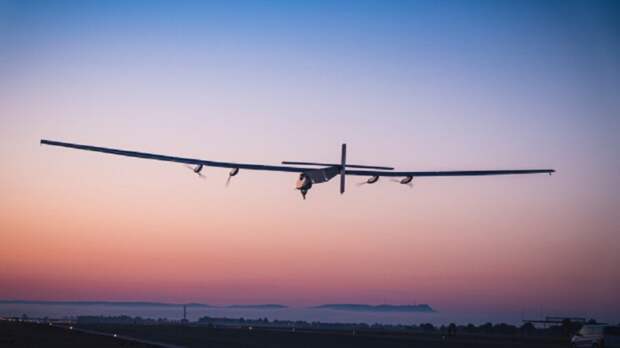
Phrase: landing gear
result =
(303, 192)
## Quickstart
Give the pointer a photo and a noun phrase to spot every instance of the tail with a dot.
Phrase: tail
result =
(343, 167)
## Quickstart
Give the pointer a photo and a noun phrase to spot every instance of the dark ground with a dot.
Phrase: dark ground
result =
(22, 335)
(15, 334)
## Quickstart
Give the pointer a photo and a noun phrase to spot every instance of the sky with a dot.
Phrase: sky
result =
(421, 85)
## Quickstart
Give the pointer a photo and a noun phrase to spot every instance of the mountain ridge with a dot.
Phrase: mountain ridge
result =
(377, 308)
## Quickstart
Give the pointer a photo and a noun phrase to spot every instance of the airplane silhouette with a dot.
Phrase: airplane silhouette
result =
(310, 173)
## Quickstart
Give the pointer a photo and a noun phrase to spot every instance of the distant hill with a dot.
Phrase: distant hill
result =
(106, 303)
(379, 308)
(258, 306)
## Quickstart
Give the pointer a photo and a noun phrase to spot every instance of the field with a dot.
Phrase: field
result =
(16, 334)
(22, 335)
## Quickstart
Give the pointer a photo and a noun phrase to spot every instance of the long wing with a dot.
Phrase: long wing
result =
(250, 166)
(449, 173)
(183, 160)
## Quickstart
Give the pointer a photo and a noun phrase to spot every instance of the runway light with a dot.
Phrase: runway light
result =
(70, 327)
(114, 335)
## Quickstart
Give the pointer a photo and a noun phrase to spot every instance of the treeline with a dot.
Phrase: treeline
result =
(565, 328)
(121, 319)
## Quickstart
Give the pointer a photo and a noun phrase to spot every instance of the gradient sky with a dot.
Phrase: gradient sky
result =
(417, 85)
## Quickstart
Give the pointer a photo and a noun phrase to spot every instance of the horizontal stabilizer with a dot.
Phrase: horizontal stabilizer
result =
(335, 164)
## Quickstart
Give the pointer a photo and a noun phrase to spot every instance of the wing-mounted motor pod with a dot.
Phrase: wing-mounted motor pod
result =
(197, 169)
(307, 178)
(407, 180)
(372, 179)
(232, 173)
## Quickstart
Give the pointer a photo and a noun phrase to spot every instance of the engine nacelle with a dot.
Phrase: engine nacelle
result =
(406, 180)
(372, 179)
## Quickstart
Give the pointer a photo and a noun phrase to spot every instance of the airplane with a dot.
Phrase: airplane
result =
(310, 173)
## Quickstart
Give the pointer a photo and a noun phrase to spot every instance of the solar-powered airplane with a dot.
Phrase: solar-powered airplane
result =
(310, 173)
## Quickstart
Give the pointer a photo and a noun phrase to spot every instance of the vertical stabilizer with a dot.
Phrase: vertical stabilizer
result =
(343, 167)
